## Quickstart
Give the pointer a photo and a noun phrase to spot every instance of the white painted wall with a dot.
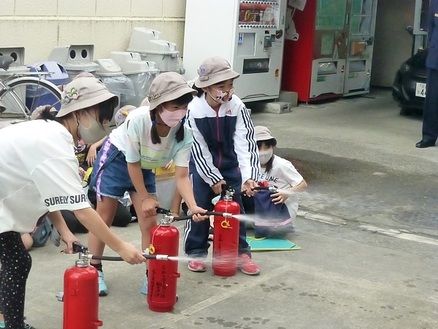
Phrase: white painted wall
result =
(40, 25)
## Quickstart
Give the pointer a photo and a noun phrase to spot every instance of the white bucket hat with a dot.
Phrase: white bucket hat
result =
(262, 133)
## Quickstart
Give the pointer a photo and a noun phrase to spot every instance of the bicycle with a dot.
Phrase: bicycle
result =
(21, 92)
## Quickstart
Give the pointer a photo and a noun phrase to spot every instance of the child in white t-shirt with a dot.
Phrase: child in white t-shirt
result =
(39, 174)
(278, 172)
(149, 138)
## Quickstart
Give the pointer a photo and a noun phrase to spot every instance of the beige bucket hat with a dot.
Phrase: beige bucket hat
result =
(214, 70)
(263, 133)
(167, 87)
(82, 92)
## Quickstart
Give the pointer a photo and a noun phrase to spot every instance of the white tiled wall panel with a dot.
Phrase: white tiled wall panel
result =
(7, 8)
(174, 8)
(31, 8)
(41, 25)
(108, 8)
(78, 8)
(147, 8)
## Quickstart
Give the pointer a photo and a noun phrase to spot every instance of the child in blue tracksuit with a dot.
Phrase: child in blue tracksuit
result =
(224, 151)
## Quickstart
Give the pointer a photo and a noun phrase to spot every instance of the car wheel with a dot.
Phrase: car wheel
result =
(405, 111)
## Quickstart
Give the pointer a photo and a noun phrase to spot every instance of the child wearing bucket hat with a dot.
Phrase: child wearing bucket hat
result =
(224, 151)
(149, 138)
(119, 118)
(39, 174)
(280, 173)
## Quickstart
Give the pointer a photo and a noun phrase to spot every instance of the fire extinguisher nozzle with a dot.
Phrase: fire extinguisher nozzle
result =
(157, 257)
(222, 214)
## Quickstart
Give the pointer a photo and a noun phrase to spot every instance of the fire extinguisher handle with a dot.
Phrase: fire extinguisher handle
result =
(163, 211)
(169, 213)
(259, 188)
(77, 247)
(266, 188)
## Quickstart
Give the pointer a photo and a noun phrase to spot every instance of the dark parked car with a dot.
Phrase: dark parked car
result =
(409, 87)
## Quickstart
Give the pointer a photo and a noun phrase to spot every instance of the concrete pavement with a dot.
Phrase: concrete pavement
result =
(367, 230)
(359, 158)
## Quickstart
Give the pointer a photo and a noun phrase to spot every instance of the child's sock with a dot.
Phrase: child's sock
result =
(97, 266)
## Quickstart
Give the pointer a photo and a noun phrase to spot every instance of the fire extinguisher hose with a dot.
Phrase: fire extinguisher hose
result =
(222, 214)
(178, 218)
(77, 247)
(117, 258)
(181, 218)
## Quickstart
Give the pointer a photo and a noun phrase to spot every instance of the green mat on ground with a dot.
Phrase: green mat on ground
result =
(266, 244)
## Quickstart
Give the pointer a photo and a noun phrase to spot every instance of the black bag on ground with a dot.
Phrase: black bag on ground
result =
(272, 220)
(42, 232)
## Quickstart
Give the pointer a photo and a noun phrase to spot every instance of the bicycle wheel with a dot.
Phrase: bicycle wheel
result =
(23, 94)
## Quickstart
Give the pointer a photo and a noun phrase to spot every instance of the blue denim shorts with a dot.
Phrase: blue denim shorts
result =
(110, 175)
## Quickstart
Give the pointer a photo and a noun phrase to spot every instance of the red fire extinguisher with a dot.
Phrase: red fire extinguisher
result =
(81, 295)
(226, 236)
(162, 275)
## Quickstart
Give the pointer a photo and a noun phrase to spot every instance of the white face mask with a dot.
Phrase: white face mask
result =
(94, 132)
(265, 156)
(222, 95)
